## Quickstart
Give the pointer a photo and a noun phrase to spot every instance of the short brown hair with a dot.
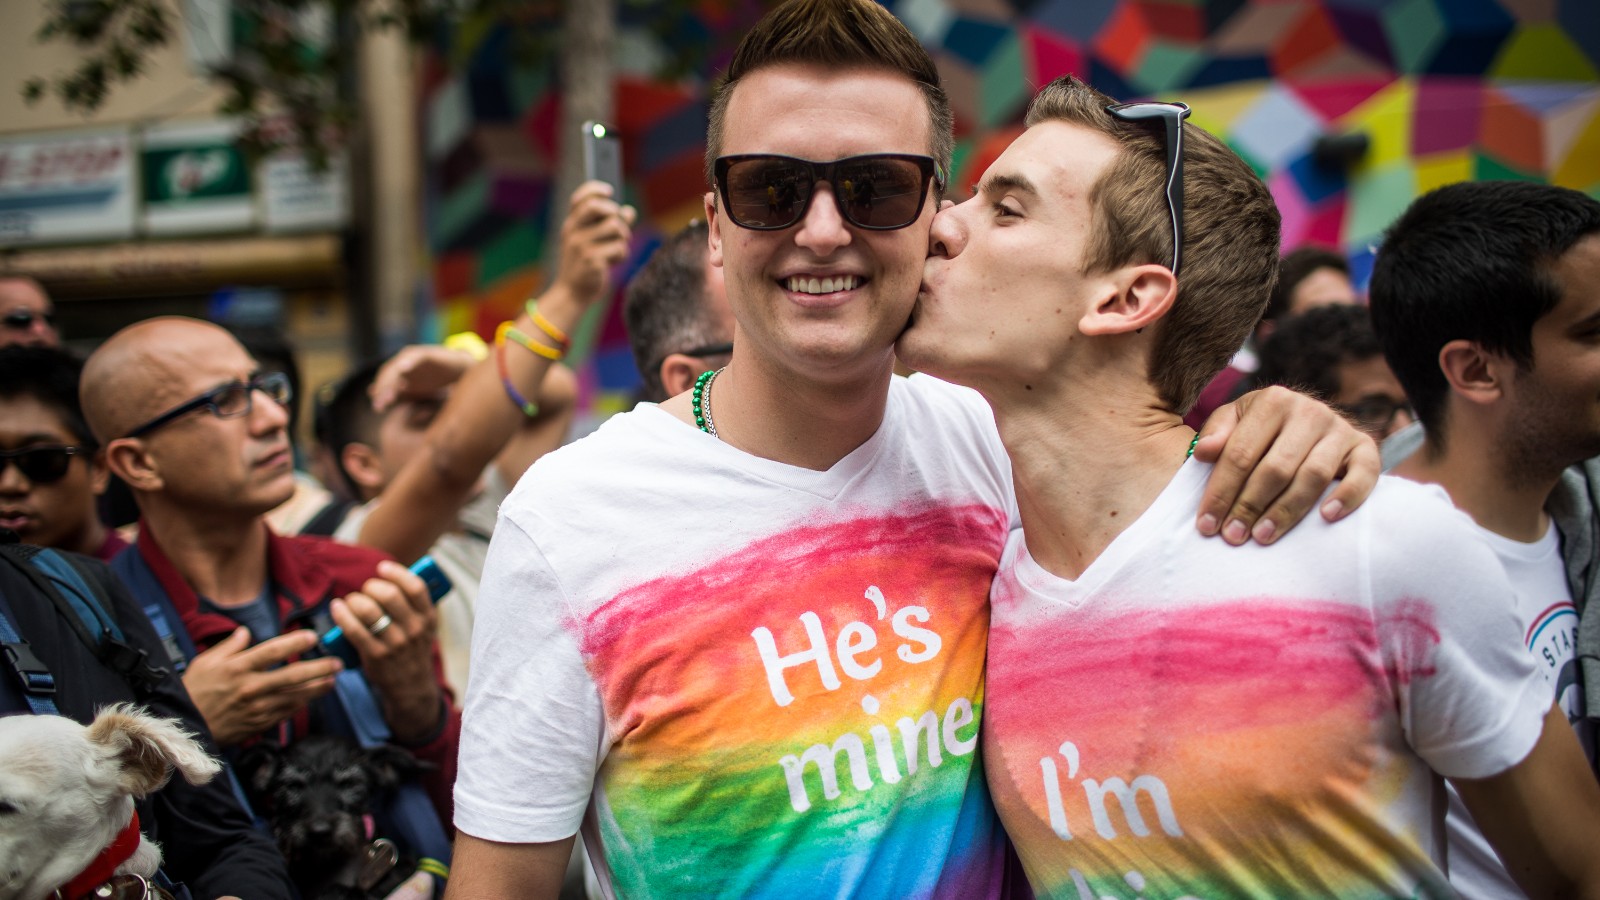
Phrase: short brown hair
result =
(1230, 230)
(839, 34)
(665, 307)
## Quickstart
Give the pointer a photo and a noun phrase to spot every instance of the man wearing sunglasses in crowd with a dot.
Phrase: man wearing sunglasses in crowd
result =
(677, 314)
(739, 637)
(1165, 714)
(200, 436)
(27, 316)
(50, 469)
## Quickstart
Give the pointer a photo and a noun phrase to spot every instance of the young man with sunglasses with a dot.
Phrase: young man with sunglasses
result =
(1165, 715)
(739, 637)
(27, 316)
(200, 437)
(51, 472)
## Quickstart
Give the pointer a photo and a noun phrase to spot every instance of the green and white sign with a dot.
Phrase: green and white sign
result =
(195, 180)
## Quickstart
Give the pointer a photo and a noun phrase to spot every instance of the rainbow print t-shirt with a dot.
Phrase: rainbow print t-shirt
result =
(741, 678)
(1190, 719)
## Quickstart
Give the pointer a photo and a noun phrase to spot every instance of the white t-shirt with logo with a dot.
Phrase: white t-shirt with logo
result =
(1190, 719)
(746, 679)
(1550, 632)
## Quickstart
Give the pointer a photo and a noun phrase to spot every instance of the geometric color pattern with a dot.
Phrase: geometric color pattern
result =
(1442, 90)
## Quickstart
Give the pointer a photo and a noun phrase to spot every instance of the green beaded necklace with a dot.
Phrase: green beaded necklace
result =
(1185, 456)
(701, 401)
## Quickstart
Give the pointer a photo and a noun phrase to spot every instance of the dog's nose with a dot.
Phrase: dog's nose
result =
(320, 827)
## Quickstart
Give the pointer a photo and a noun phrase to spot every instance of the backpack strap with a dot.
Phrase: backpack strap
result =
(58, 577)
(74, 589)
(328, 518)
(33, 676)
(152, 598)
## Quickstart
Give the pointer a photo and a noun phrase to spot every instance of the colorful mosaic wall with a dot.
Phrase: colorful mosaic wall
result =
(1443, 90)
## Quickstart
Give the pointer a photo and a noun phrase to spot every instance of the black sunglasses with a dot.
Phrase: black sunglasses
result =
(228, 401)
(879, 191)
(23, 319)
(41, 464)
(1171, 115)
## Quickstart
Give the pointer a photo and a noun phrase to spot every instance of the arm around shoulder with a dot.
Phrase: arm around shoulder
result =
(1542, 816)
(483, 870)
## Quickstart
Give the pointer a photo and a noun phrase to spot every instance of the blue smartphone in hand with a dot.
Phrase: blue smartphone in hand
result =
(333, 640)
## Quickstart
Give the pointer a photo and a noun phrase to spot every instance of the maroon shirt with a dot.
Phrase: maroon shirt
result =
(113, 545)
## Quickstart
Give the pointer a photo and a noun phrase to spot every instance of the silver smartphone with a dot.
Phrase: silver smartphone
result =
(602, 157)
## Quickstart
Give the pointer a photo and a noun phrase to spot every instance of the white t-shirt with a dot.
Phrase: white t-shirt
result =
(746, 679)
(1193, 719)
(460, 553)
(1550, 632)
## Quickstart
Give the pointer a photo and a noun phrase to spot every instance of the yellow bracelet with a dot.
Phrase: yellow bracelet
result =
(546, 326)
(551, 353)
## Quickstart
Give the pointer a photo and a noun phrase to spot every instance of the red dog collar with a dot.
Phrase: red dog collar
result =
(101, 869)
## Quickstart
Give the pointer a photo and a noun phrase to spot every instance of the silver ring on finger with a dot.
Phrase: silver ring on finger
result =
(383, 622)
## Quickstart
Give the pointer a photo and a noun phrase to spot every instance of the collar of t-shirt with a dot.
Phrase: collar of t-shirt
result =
(259, 615)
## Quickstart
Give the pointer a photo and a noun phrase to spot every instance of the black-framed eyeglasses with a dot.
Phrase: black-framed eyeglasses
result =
(42, 463)
(23, 319)
(704, 351)
(878, 191)
(1374, 414)
(721, 349)
(1171, 116)
(228, 401)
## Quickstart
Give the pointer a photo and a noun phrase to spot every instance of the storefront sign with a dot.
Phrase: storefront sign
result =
(296, 197)
(195, 180)
(66, 188)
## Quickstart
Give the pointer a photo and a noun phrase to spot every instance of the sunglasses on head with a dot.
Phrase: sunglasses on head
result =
(41, 464)
(879, 191)
(1171, 116)
(228, 401)
(23, 319)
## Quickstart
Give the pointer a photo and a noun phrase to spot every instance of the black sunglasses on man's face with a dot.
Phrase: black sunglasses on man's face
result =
(41, 463)
(1171, 116)
(23, 319)
(878, 191)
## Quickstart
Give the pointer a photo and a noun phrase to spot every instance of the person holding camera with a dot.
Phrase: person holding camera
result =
(200, 436)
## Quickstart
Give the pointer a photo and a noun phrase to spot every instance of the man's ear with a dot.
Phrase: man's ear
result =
(713, 230)
(127, 459)
(362, 464)
(678, 373)
(1474, 374)
(99, 472)
(1129, 300)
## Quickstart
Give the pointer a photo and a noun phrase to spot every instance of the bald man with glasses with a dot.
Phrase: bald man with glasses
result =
(200, 436)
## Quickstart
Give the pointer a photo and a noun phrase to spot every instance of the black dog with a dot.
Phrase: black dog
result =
(318, 795)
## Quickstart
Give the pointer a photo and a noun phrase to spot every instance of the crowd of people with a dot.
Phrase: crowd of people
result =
(798, 625)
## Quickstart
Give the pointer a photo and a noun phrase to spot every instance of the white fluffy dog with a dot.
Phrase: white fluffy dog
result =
(67, 792)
